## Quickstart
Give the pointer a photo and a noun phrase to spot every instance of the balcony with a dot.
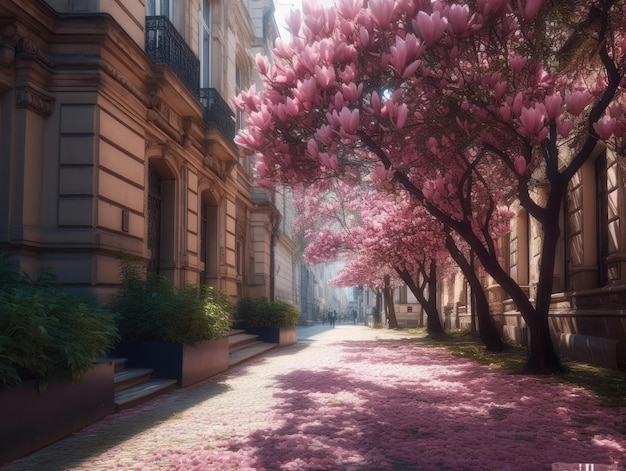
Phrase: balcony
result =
(217, 113)
(166, 46)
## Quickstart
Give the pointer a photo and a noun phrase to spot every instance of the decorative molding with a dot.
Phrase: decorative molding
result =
(27, 47)
(126, 83)
(155, 95)
(214, 165)
(35, 101)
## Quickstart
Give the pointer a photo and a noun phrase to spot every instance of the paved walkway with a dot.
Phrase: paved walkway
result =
(351, 399)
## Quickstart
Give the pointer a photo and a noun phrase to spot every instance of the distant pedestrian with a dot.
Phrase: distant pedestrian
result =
(353, 317)
(333, 317)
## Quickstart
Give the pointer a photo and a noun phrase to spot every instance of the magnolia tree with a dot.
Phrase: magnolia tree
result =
(462, 104)
(383, 280)
(384, 239)
(389, 231)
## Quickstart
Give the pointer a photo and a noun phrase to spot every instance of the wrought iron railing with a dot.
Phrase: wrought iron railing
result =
(217, 113)
(166, 46)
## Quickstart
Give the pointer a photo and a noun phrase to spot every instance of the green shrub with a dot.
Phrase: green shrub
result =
(45, 333)
(151, 309)
(264, 313)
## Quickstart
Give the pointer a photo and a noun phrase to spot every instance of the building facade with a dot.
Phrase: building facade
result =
(116, 135)
(588, 311)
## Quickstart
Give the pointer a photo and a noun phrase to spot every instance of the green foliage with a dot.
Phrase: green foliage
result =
(264, 313)
(45, 333)
(151, 309)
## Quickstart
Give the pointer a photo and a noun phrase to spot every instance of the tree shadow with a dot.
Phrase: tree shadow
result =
(373, 413)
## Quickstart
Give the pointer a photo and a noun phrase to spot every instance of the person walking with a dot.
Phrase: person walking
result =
(333, 316)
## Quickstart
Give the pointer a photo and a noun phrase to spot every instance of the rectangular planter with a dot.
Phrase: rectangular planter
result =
(186, 364)
(32, 420)
(281, 335)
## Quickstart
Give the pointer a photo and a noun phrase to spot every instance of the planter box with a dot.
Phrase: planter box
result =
(281, 335)
(186, 364)
(32, 420)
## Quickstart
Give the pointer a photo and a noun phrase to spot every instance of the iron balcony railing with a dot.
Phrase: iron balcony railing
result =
(166, 46)
(217, 113)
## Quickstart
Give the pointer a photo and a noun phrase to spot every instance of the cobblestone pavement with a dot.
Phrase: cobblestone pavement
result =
(350, 399)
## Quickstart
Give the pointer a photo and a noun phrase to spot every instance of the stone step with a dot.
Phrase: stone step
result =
(129, 377)
(247, 351)
(140, 393)
(240, 340)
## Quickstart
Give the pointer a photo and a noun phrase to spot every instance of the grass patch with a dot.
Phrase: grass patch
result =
(607, 384)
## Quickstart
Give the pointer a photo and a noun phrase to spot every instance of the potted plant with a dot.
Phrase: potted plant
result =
(50, 384)
(272, 321)
(180, 333)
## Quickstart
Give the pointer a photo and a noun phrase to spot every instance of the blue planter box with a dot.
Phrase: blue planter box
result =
(31, 420)
(187, 364)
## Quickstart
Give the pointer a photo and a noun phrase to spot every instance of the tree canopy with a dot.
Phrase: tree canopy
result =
(462, 105)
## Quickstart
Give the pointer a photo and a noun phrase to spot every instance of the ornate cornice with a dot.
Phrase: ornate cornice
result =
(33, 100)
(127, 84)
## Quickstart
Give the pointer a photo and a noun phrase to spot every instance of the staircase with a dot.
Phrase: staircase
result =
(135, 385)
(242, 347)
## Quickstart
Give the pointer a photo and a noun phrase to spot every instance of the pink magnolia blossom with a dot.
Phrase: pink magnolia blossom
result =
(520, 165)
(351, 91)
(530, 9)
(382, 11)
(349, 9)
(459, 19)
(533, 122)
(564, 127)
(605, 127)
(306, 92)
(325, 76)
(348, 120)
(262, 64)
(517, 62)
(430, 27)
(294, 21)
(577, 101)
(553, 104)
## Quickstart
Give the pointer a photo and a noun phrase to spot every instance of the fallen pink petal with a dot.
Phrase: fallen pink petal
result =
(354, 398)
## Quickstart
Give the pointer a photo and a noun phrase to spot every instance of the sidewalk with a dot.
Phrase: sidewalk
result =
(353, 399)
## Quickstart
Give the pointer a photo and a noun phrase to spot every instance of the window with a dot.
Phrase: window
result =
(205, 44)
(170, 8)
(240, 84)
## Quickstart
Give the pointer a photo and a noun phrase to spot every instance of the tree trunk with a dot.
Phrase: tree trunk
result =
(487, 330)
(433, 321)
(542, 356)
(391, 312)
